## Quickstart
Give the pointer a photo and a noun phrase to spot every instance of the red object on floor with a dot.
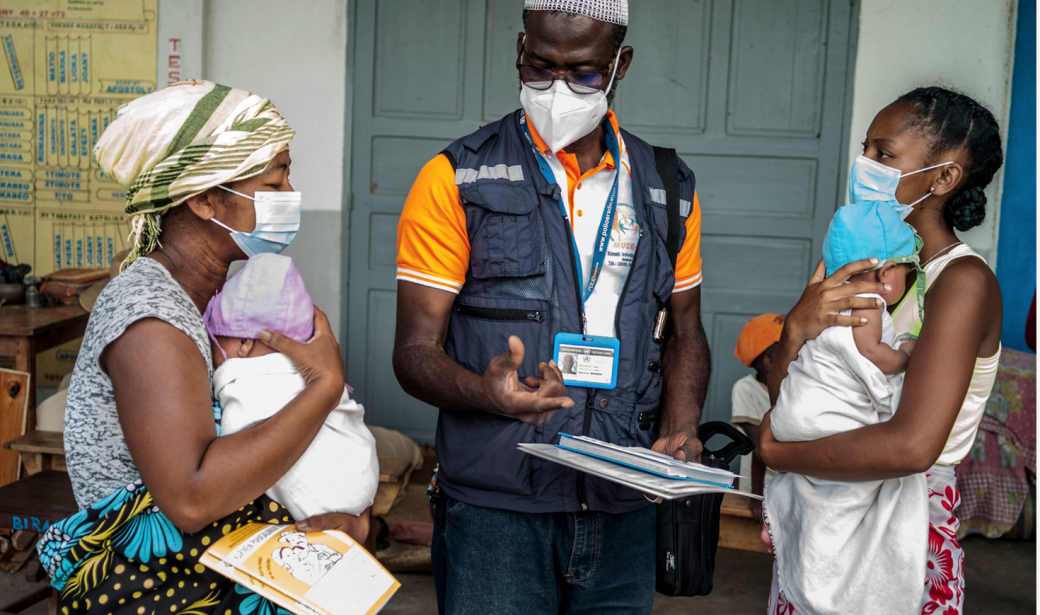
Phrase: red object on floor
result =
(412, 532)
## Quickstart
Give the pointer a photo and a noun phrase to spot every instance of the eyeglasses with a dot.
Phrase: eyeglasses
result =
(579, 82)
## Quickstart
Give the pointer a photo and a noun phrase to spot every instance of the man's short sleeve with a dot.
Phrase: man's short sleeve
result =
(688, 262)
(432, 243)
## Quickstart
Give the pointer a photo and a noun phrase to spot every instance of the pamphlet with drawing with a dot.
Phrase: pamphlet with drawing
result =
(323, 573)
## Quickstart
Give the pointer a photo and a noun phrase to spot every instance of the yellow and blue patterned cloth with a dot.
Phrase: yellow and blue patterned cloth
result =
(123, 555)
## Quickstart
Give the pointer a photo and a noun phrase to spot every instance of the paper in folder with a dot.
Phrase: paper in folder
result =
(639, 468)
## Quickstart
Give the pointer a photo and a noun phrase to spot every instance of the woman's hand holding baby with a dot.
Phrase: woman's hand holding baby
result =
(319, 360)
(820, 307)
(825, 297)
(355, 527)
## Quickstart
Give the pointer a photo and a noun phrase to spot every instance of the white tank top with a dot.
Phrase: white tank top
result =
(907, 319)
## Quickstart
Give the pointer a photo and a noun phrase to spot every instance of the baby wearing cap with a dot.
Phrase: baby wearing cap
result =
(846, 547)
(339, 471)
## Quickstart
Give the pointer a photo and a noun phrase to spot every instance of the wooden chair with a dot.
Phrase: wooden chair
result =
(33, 504)
(737, 528)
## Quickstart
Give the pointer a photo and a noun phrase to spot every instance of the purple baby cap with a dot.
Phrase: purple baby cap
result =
(268, 293)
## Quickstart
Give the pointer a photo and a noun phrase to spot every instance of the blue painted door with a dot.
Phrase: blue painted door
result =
(750, 92)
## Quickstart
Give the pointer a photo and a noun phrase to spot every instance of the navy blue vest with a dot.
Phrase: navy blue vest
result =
(521, 281)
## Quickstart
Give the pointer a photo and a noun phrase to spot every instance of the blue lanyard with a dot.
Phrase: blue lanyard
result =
(609, 211)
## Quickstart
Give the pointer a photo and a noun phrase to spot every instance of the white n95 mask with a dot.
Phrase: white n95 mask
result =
(277, 222)
(562, 116)
(871, 181)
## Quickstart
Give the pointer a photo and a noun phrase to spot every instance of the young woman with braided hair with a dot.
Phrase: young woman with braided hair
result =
(955, 144)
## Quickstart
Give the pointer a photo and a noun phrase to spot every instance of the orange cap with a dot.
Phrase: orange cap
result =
(759, 333)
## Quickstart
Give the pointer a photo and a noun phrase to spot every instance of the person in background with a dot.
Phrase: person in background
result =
(756, 347)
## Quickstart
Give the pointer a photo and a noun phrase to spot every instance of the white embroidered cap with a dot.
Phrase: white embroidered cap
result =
(610, 11)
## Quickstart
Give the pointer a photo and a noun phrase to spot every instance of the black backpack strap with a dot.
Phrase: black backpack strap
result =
(668, 168)
(451, 158)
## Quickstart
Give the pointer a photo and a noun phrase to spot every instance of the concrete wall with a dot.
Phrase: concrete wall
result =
(296, 55)
(965, 44)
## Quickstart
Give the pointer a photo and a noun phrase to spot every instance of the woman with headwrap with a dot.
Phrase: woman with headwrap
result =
(155, 484)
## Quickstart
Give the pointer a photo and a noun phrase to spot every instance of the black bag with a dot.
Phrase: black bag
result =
(688, 529)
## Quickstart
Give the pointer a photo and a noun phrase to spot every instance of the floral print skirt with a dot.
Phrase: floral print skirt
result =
(944, 579)
(122, 555)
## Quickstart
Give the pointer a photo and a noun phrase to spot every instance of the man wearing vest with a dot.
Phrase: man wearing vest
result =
(548, 227)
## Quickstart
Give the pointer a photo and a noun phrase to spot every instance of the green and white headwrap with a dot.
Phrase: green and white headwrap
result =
(181, 141)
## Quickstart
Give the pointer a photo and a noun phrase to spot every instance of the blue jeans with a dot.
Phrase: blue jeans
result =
(498, 561)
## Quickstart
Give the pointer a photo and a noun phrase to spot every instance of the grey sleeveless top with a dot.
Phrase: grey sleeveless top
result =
(96, 453)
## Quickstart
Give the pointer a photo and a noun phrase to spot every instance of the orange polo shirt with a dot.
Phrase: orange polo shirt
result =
(433, 246)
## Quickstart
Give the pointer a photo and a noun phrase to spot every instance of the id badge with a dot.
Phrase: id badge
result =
(587, 360)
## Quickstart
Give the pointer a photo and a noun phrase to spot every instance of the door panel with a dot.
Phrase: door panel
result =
(667, 86)
(776, 68)
(397, 160)
(419, 60)
(502, 88)
(755, 185)
(750, 92)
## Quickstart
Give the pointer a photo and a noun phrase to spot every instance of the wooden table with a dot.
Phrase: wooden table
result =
(26, 331)
(40, 450)
(737, 528)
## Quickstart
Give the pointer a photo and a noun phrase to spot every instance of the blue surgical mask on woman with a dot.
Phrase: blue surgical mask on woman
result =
(871, 181)
(277, 222)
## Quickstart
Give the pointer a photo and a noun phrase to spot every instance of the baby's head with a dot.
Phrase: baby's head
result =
(872, 230)
(893, 274)
(268, 293)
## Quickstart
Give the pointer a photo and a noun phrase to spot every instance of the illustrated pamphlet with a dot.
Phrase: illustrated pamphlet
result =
(321, 573)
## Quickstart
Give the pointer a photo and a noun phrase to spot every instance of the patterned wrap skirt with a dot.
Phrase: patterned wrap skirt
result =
(123, 556)
(943, 592)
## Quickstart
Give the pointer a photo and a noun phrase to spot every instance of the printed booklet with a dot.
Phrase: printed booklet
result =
(322, 573)
(648, 460)
(636, 467)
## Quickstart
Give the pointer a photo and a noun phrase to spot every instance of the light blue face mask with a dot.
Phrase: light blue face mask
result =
(277, 222)
(871, 181)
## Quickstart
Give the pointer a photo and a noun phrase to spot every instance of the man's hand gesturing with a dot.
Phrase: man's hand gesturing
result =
(536, 399)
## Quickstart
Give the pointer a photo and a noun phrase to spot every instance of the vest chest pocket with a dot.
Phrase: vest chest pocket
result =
(480, 327)
(506, 230)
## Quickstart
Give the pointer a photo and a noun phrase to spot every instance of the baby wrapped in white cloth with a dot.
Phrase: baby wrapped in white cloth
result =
(339, 471)
(849, 547)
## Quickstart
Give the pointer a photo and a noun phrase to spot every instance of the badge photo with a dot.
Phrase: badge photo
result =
(586, 360)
